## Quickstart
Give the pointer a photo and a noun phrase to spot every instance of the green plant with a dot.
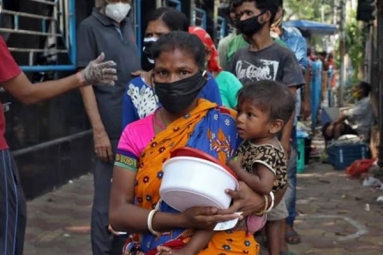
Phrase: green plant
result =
(355, 39)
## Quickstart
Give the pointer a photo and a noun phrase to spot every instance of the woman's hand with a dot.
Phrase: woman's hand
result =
(205, 218)
(245, 200)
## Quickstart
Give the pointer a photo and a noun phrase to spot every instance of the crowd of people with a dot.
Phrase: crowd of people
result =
(245, 96)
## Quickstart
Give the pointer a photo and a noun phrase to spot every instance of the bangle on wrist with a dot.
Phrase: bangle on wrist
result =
(81, 79)
(272, 198)
(150, 221)
(266, 205)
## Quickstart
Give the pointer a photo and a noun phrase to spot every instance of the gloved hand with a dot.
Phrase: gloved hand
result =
(98, 72)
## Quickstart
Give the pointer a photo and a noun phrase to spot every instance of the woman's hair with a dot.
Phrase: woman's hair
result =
(173, 19)
(183, 41)
(271, 97)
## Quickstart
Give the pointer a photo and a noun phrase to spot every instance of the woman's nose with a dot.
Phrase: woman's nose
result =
(173, 78)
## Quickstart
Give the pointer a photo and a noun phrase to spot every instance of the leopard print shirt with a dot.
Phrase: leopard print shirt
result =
(268, 155)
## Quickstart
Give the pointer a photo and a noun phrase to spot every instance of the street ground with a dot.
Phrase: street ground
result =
(337, 216)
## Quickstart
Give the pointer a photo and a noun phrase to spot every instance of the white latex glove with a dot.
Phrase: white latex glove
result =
(100, 73)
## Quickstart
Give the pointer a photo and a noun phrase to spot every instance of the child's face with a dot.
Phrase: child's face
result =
(252, 122)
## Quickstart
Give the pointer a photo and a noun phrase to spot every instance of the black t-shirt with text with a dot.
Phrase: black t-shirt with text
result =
(275, 62)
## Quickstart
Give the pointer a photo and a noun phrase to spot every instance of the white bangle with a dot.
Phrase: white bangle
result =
(272, 202)
(150, 221)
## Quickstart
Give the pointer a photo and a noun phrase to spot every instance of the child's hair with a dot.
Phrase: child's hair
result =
(271, 96)
(183, 41)
(173, 19)
(271, 6)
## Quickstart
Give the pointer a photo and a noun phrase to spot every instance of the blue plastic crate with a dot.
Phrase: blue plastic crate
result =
(343, 155)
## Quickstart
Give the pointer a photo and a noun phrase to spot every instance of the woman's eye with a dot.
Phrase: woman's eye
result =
(184, 72)
(162, 73)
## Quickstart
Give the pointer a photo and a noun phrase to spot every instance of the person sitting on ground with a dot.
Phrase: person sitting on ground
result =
(360, 117)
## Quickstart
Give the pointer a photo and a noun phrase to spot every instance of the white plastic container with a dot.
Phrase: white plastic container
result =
(191, 181)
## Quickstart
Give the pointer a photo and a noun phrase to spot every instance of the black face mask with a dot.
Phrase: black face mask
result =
(250, 26)
(175, 97)
(147, 62)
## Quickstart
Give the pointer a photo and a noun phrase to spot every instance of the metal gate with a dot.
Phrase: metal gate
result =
(221, 28)
(199, 18)
(176, 4)
(60, 27)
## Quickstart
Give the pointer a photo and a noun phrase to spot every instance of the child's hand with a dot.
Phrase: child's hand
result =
(236, 164)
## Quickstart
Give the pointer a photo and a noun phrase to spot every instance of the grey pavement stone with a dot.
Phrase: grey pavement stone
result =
(331, 208)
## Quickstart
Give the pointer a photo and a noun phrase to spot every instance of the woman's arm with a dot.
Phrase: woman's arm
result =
(125, 216)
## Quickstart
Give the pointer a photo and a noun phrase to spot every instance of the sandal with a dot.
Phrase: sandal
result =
(292, 237)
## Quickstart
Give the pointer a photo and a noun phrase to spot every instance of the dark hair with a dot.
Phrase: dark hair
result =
(183, 41)
(173, 19)
(271, 6)
(366, 88)
(271, 96)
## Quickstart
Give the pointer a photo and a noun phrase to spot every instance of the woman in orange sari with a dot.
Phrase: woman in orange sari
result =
(183, 120)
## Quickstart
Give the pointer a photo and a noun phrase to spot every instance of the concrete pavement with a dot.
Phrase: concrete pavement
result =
(332, 217)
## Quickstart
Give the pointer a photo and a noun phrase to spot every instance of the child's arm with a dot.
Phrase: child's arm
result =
(197, 243)
(261, 180)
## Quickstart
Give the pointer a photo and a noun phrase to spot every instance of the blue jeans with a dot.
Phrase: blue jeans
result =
(291, 192)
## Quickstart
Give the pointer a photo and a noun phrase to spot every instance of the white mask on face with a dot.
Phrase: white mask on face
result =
(117, 11)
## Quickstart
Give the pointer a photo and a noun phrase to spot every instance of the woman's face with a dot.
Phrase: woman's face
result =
(156, 28)
(175, 65)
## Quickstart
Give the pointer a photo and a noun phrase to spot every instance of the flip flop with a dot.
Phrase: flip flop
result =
(292, 237)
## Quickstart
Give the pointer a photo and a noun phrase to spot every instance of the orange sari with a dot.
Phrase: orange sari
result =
(214, 128)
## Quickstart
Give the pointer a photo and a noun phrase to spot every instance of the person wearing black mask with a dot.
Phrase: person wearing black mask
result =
(266, 60)
(140, 99)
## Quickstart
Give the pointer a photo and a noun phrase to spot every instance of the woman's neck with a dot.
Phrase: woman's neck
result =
(168, 118)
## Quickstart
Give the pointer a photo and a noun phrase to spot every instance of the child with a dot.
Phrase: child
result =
(263, 109)
(266, 60)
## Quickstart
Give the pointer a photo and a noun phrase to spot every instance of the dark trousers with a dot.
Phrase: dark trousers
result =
(13, 209)
(103, 242)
